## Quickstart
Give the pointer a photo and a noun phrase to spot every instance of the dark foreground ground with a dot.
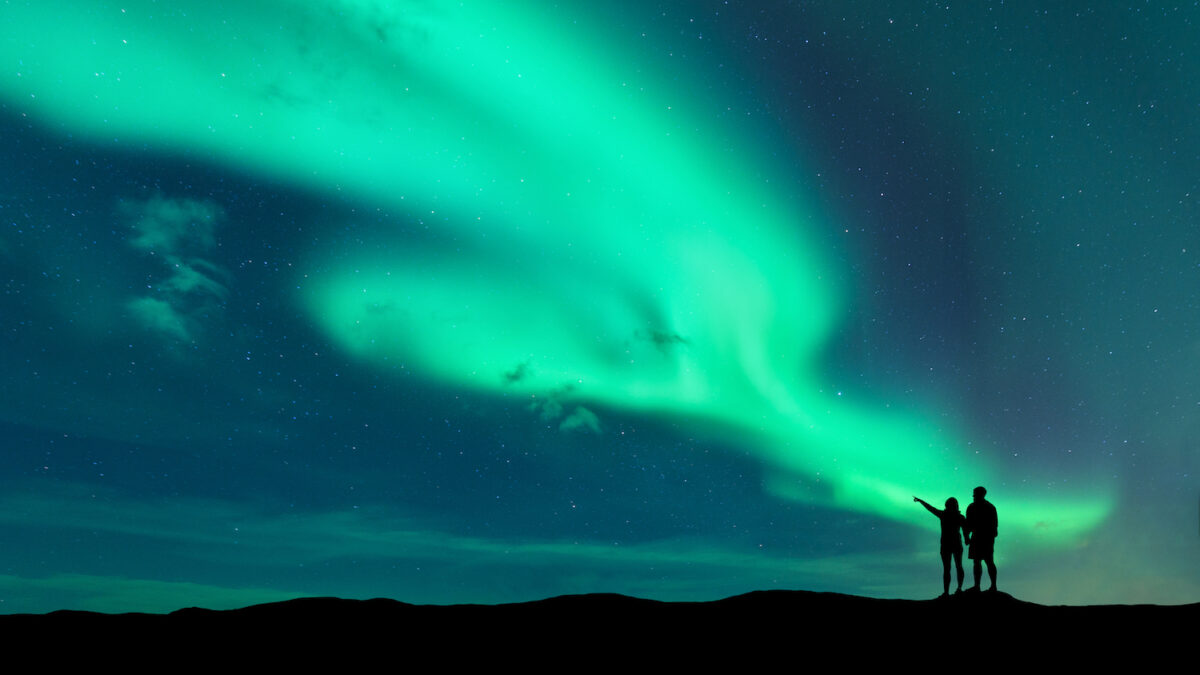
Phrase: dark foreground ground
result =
(804, 629)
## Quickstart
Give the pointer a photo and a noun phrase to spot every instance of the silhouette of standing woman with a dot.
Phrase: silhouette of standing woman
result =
(952, 523)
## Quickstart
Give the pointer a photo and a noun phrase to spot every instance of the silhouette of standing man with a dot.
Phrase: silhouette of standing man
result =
(982, 523)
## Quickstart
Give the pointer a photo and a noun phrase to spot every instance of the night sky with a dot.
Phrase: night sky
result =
(496, 300)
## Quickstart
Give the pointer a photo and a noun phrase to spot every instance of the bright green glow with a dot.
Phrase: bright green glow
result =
(608, 246)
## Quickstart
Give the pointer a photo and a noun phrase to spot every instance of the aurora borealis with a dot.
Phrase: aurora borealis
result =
(492, 301)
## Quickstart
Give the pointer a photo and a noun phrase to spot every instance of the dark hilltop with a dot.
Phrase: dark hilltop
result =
(798, 624)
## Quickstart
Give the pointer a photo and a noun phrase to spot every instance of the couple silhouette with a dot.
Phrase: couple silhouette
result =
(978, 527)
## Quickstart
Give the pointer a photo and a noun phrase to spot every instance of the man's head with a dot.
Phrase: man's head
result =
(979, 493)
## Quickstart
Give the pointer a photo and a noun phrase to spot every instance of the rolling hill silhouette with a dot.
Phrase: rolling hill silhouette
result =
(573, 630)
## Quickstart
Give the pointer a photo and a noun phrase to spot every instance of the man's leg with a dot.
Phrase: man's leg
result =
(991, 573)
(978, 572)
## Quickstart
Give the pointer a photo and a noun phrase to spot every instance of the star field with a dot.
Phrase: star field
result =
(494, 301)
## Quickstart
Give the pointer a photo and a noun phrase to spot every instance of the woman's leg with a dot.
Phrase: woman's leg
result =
(957, 564)
(946, 572)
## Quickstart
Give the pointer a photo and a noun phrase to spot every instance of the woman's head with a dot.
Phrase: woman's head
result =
(952, 504)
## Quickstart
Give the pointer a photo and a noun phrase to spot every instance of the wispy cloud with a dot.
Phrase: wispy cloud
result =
(550, 408)
(160, 316)
(173, 226)
(581, 419)
(178, 233)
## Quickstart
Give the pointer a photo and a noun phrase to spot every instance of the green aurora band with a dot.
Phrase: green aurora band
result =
(595, 241)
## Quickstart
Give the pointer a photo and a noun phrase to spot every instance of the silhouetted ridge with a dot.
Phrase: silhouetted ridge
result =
(612, 625)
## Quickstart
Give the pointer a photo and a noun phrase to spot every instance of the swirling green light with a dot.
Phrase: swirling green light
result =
(608, 242)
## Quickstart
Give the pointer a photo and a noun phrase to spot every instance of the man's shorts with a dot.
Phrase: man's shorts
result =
(981, 548)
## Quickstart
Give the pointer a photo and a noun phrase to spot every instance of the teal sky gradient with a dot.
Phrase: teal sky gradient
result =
(382, 281)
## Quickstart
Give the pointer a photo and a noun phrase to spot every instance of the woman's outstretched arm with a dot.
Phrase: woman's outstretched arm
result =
(926, 505)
